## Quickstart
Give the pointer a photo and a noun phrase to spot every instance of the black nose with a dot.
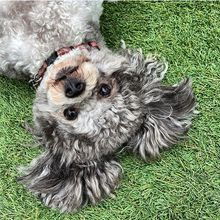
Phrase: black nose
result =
(74, 87)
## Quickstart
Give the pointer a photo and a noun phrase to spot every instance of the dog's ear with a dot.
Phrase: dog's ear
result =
(168, 111)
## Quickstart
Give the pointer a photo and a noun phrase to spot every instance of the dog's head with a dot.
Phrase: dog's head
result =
(90, 95)
(100, 98)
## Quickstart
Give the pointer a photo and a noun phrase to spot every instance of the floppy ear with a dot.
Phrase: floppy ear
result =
(168, 111)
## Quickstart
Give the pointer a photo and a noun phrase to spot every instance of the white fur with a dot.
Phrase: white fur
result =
(30, 31)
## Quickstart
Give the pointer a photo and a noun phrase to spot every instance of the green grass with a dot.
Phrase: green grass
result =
(185, 182)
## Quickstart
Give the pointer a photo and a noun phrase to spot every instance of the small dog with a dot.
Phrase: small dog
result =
(90, 102)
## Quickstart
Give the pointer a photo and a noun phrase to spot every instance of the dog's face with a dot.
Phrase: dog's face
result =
(90, 104)
(90, 98)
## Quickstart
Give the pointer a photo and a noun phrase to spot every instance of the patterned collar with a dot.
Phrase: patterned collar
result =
(35, 81)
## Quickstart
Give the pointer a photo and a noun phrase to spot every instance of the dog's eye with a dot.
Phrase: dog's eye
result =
(70, 113)
(104, 90)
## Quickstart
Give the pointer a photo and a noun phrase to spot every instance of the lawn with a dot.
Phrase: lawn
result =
(185, 182)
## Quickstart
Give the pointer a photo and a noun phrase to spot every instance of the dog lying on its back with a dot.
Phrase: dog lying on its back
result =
(89, 102)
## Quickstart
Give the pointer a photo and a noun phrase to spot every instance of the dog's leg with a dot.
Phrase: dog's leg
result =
(70, 187)
(168, 115)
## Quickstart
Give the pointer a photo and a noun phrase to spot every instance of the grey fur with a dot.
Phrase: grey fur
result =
(70, 187)
(145, 115)
(78, 165)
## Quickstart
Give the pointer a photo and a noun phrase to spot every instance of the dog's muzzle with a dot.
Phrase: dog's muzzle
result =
(35, 81)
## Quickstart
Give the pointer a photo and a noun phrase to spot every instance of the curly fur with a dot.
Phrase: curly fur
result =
(34, 29)
(78, 164)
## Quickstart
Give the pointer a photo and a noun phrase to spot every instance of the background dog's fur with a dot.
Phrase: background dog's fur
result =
(78, 165)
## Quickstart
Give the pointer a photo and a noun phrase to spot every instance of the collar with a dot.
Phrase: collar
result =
(35, 81)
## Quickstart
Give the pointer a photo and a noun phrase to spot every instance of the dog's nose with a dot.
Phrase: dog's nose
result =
(74, 87)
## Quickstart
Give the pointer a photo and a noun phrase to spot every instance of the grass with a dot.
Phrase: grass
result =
(185, 182)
